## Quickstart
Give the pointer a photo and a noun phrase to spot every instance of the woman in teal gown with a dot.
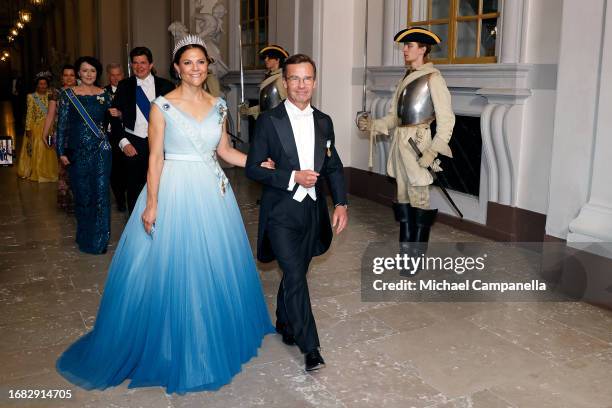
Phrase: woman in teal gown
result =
(183, 306)
(85, 151)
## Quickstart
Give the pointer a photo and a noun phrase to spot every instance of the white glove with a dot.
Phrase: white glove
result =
(244, 109)
(364, 123)
(428, 158)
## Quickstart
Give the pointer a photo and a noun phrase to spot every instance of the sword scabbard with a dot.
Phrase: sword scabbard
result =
(435, 178)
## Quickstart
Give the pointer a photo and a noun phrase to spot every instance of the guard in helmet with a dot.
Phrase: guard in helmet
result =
(271, 90)
(420, 98)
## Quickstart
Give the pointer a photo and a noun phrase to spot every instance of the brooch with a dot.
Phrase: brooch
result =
(100, 99)
(222, 113)
(328, 148)
(165, 106)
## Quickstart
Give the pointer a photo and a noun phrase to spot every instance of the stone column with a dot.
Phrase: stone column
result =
(111, 35)
(149, 20)
(511, 31)
(582, 111)
(70, 29)
(395, 17)
(86, 28)
(58, 19)
(594, 222)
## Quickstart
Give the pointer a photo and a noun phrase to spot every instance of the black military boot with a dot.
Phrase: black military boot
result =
(420, 221)
(423, 220)
(402, 215)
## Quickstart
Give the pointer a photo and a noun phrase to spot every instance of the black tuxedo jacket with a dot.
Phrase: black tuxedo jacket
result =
(274, 138)
(116, 129)
(125, 100)
(109, 88)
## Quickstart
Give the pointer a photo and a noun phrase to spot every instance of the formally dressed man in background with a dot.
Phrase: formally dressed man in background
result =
(114, 74)
(131, 104)
(294, 223)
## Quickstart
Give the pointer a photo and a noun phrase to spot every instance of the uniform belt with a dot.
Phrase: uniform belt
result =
(427, 122)
(183, 157)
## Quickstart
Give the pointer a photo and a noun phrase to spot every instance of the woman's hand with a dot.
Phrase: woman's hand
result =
(148, 218)
(64, 160)
(269, 164)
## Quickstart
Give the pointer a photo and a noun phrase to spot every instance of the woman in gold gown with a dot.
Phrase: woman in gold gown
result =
(37, 160)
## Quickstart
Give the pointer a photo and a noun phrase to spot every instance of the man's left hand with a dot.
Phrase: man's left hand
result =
(340, 218)
(427, 159)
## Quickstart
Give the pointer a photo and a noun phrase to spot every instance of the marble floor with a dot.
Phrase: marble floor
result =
(436, 355)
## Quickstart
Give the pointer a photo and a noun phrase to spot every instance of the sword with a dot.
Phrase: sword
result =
(129, 66)
(435, 177)
(241, 81)
(363, 112)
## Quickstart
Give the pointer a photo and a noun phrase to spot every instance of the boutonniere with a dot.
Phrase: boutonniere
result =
(222, 113)
(328, 148)
(100, 99)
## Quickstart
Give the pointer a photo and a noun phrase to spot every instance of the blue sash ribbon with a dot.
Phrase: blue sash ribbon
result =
(143, 103)
(40, 104)
(87, 119)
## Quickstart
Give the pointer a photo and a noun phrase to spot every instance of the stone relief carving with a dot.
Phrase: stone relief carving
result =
(209, 26)
(178, 31)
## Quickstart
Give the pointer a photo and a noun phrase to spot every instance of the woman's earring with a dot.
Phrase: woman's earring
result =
(178, 74)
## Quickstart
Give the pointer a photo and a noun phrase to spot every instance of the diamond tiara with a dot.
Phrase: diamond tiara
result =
(44, 74)
(189, 39)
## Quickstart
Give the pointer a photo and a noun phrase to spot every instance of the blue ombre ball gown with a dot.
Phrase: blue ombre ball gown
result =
(183, 308)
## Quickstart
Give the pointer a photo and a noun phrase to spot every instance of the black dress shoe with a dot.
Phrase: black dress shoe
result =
(314, 361)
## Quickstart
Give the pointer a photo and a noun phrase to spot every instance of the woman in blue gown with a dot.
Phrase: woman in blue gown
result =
(83, 147)
(183, 306)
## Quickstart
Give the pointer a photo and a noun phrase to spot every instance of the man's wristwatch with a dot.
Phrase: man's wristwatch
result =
(341, 205)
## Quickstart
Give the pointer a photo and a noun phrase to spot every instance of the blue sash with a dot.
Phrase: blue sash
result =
(87, 119)
(40, 103)
(143, 102)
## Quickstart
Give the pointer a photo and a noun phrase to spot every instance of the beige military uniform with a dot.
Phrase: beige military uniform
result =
(413, 180)
(275, 76)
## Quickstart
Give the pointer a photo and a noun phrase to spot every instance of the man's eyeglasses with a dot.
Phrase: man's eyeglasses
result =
(293, 79)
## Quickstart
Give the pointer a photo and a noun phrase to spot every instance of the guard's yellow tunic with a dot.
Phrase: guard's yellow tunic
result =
(402, 163)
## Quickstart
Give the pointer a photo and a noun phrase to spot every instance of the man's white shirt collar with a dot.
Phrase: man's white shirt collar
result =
(147, 81)
(296, 112)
